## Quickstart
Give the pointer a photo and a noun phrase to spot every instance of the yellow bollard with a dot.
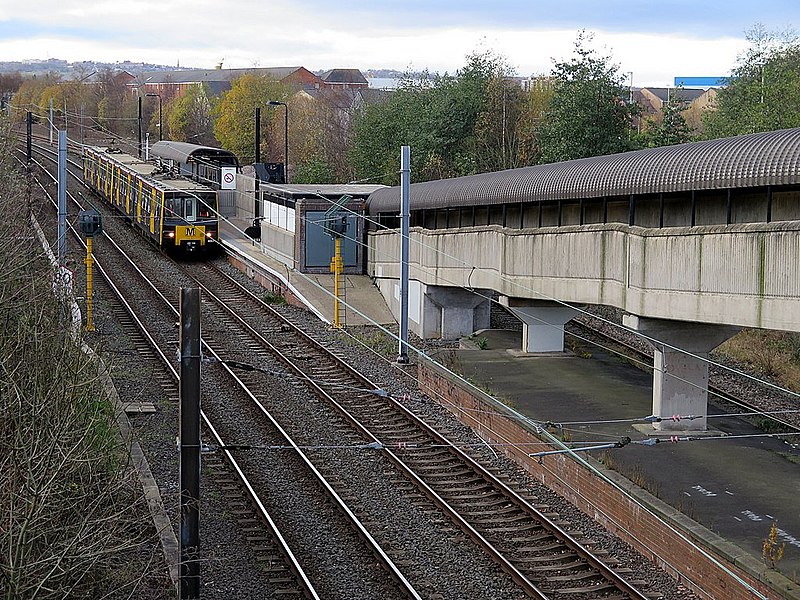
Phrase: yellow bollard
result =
(89, 262)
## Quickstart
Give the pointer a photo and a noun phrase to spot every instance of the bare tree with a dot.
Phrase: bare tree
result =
(70, 508)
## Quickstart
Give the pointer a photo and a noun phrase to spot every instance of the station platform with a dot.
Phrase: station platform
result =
(315, 291)
(735, 487)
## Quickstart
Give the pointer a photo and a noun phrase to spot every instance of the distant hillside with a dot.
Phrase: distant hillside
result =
(70, 70)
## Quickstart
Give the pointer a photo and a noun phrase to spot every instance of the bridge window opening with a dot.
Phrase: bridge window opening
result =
(495, 215)
(769, 204)
(521, 215)
(473, 216)
(729, 208)
(675, 213)
(786, 204)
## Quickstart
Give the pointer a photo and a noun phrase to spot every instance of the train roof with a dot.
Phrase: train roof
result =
(185, 152)
(754, 160)
(151, 172)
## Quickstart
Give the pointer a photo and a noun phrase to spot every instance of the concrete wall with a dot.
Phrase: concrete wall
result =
(245, 197)
(746, 275)
(685, 550)
(278, 243)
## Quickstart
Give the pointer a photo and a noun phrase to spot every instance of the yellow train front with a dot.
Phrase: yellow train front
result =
(176, 214)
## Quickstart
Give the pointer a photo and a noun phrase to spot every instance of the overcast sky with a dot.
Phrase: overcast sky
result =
(655, 39)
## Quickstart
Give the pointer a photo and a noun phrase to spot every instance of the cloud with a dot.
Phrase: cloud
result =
(436, 35)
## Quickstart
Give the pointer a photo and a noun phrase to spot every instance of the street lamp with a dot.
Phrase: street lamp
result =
(285, 138)
(154, 95)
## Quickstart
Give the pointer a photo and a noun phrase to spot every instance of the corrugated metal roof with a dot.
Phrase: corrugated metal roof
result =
(319, 190)
(754, 160)
(183, 151)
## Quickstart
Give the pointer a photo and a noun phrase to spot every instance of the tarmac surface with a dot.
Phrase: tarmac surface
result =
(736, 487)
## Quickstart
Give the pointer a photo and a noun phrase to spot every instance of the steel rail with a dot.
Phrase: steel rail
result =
(604, 570)
(289, 556)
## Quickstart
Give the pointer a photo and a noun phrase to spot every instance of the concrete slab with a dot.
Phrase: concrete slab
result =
(736, 487)
(364, 303)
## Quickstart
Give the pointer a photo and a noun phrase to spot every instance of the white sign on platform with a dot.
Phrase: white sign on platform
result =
(228, 178)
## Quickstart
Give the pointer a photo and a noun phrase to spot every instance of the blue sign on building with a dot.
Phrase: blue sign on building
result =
(703, 82)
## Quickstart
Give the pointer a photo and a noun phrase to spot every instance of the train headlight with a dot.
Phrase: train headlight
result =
(209, 234)
(170, 234)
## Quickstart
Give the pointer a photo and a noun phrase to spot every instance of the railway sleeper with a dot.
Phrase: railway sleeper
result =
(502, 529)
(586, 572)
(550, 558)
(592, 589)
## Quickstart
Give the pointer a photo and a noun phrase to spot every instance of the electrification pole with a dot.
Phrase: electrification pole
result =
(62, 196)
(190, 442)
(405, 190)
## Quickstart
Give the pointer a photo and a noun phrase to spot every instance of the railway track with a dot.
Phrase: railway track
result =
(261, 528)
(284, 573)
(542, 555)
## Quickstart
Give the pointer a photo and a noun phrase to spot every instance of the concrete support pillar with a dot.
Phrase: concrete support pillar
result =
(680, 368)
(451, 313)
(542, 323)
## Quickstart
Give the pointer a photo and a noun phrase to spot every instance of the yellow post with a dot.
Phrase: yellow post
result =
(89, 262)
(336, 267)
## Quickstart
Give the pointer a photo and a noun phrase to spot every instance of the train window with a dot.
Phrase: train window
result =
(171, 206)
(190, 204)
(207, 209)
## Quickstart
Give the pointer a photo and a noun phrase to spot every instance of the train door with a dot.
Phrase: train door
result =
(128, 194)
(139, 200)
(190, 209)
(153, 208)
(117, 173)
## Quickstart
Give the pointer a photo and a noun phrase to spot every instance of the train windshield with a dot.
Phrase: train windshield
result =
(191, 208)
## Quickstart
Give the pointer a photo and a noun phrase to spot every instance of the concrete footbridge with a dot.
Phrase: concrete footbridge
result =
(693, 242)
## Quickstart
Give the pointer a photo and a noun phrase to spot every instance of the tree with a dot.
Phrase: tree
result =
(449, 121)
(672, 127)
(116, 111)
(29, 95)
(319, 135)
(9, 83)
(503, 139)
(71, 509)
(189, 117)
(587, 115)
(234, 126)
(763, 91)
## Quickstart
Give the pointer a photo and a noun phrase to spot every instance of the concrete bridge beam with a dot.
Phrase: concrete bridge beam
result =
(451, 313)
(680, 368)
(542, 323)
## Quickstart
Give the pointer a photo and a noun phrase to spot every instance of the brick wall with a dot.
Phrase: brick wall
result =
(687, 551)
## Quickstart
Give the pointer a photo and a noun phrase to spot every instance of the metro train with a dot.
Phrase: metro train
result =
(175, 213)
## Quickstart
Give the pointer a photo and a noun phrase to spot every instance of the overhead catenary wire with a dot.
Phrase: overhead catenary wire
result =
(651, 419)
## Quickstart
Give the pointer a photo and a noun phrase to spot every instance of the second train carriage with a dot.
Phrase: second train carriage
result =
(175, 213)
